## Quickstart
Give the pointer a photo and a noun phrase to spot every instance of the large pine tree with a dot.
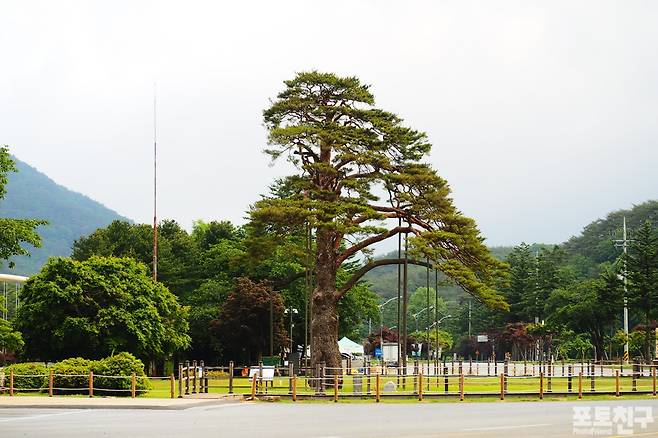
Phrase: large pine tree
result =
(361, 180)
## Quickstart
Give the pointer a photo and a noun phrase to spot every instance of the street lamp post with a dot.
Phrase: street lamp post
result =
(415, 315)
(291, 311)
(436, 323)
(381, 324)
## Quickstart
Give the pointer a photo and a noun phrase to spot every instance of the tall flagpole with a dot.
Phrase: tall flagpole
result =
(155, 188)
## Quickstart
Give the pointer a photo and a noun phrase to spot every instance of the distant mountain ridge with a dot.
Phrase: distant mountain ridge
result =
(70, 215)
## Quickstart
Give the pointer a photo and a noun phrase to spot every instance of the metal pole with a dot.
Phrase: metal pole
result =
(626, 355)
(427, 319)
(404, 302)
(271, 324)
(399, 293)
(155, 189)
(436, 313)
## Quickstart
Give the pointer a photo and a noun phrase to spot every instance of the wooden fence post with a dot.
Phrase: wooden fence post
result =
(502, 386)
(91, 383)
(172, 386)
(194, 377)
(617, 383)
(231, 371)
(51, 379)
(420, 386)
(541, 386)
(187, 377)
(336, 387)
(11, 383)
(377, 388)
(580, 385)
(253, 386)
(461, 387)
(294, 387)
(133, 385)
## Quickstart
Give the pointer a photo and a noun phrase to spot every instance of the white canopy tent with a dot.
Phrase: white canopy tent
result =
(348, 346)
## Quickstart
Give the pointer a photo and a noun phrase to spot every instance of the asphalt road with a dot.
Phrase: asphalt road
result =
(320, 420)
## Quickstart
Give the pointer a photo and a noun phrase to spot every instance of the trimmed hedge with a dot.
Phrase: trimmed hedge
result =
(27, 376)
(72, 375)
(122, 364)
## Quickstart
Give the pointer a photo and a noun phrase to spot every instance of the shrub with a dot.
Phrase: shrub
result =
(122, 364)
(72, 375)
(27, 376)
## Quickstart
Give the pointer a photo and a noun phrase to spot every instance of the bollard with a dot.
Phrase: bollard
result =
(294, 387)
(367, 371)
(91, 383)
(377, 386)
(172, 386)
(50, 383)
(580, 385)
(290, 373)
(502, 386)
(461, 387)
(133, 385)
(11, 383)
(470, 366)
(653, 380)
(525, 367)
(634, 376)
(180, 380)
(420, 386)
(569, 382)
(617, 383)
(445, 379)
(488, 367)
(541, 386)
(231, 367)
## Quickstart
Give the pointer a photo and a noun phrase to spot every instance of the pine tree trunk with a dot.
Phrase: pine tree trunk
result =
(324, 319)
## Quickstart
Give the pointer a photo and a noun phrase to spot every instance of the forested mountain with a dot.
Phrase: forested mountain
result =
(70, 215)
(595, 241)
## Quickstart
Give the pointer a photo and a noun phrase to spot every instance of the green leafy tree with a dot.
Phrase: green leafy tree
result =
(589, 306)
(244, 322)
(346, 152)
(642, 265)
(177, 251)
(95, 307)
(14, 233)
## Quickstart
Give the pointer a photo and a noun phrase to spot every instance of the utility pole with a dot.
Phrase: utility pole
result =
(623, 243)
(469, 319)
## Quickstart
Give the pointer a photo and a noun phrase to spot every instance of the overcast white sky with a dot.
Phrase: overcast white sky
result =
(543, 114)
